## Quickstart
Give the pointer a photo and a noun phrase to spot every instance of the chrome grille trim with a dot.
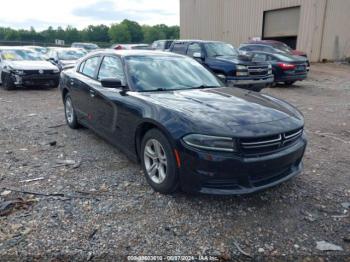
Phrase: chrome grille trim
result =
(293, 134)
(271, 143)
(262, 142)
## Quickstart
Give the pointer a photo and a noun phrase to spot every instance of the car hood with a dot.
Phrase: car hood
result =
(31, 65)
(223, 107)
(241, 59)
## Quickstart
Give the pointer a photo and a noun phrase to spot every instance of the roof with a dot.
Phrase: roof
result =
(134, 52)
(263, 42)
(196, 40)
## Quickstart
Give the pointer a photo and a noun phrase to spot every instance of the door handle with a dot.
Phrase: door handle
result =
(92, 93)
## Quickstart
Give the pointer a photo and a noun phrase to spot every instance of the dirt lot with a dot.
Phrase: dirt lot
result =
(95, 203)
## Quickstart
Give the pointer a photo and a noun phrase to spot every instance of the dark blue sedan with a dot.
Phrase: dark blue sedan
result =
(286, 68)
(186, 129)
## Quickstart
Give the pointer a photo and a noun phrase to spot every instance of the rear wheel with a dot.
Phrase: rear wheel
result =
(71, 117)
(158, 162)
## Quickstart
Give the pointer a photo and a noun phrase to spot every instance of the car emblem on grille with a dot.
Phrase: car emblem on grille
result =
(41, 71)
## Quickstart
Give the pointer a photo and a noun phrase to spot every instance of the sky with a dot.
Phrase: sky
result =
(22, 14)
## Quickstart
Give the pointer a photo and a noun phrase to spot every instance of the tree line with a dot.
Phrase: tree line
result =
(125, 32)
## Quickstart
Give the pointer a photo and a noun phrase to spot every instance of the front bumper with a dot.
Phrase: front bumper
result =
(36, 80)
(249, 81)
(228, 174)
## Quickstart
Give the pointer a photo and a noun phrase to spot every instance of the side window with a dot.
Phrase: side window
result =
(260, 57)
(194, 48)
(179, 48)
(81, 67)
(90, 66)
(111, 67)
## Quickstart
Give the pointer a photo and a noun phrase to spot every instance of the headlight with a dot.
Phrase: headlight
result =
(241, 67)
(215, 143)
(269, 66)
(269, 72)
(56, 71)
(238, 73)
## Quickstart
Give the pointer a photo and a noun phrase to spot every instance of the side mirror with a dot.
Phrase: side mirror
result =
(112, 83)
(52, 60)
(197, 55)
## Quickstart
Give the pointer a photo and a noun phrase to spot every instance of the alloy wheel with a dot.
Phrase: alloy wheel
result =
(155, 161)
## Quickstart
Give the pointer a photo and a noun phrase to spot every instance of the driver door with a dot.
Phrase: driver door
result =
(105, 102)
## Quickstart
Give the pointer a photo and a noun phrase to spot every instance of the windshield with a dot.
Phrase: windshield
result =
(162, 73)
(220, 49)
(70, 54)
(21, 55)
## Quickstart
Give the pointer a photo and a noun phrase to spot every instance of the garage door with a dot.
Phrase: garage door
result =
(281, 22)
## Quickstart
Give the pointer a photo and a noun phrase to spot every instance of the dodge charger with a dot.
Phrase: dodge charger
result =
(186, 128)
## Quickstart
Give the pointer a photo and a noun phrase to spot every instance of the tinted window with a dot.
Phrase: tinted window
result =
(179, 48)
(90, 66)
(260, 57)
(111, 67)
(194, 48)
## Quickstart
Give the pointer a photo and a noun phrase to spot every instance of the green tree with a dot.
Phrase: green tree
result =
(119, 33)
(151, 33)
(134, 29)
(98, 33)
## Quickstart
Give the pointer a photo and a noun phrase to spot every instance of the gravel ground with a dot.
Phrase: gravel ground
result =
(95, 203)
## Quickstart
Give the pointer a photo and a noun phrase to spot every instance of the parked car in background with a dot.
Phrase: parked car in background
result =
(227, 63)
(162, 45)
(87, 46)
(130, 47)
(64, 57)
(272, 46)
(286, 68)
(174, 116)
(20, 66)
(39, 49)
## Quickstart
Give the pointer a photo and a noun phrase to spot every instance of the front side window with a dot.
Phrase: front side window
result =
(90, 66)
(220, 49)
(163, 73)
(179, 48)
(194, 48)
(111, 67)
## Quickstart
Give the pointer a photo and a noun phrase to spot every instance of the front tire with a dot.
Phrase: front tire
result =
(7, 82)
(158, 162)
(69, 112)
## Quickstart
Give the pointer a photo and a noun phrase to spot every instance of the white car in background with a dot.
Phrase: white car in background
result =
(65, 57)
(22, 67)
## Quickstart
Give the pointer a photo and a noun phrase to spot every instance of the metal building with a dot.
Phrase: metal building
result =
(321, 28)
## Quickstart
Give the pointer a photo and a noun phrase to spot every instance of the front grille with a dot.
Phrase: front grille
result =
(268, 144)
(258, 70)
(38, 72)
